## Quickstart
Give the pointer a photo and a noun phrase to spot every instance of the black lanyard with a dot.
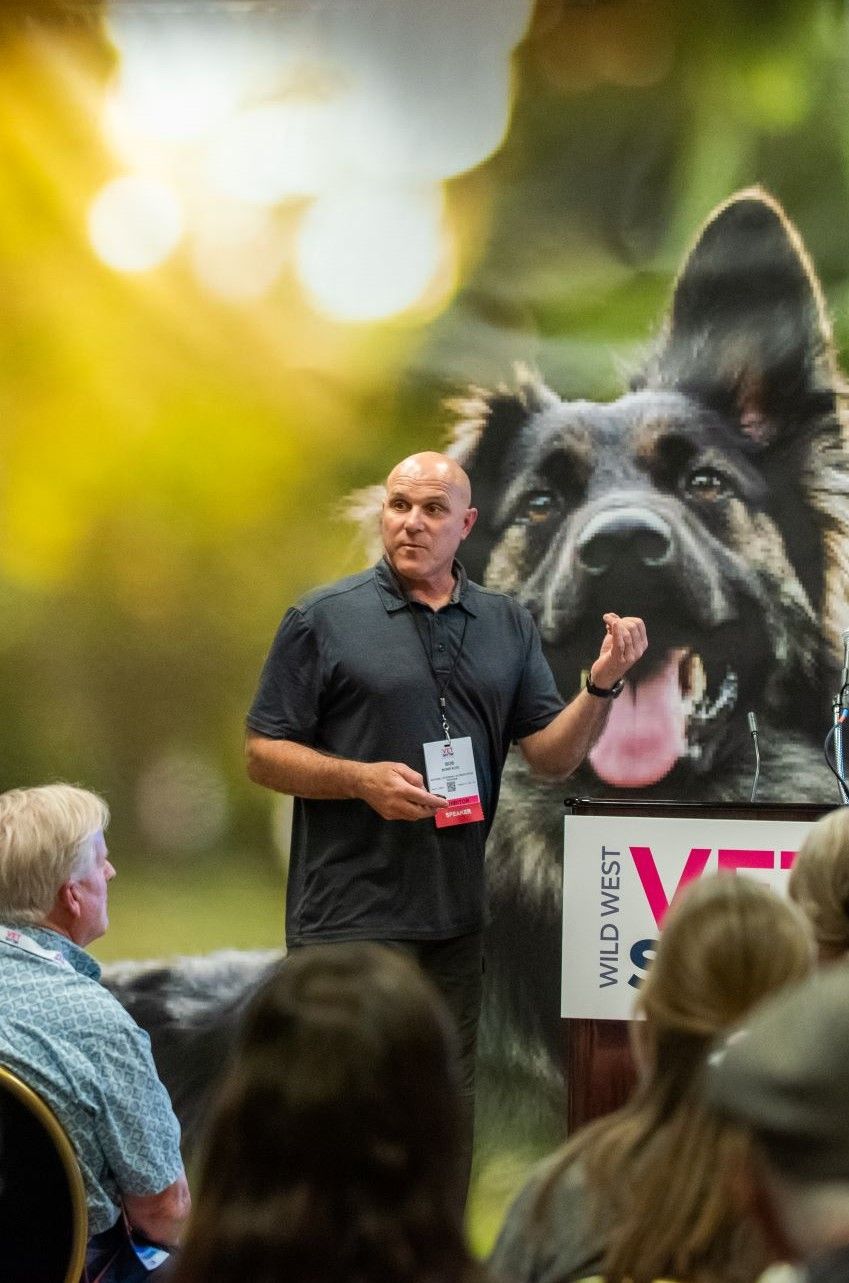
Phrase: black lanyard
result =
(441, 689)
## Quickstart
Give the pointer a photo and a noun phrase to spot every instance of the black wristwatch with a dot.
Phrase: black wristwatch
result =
(605, 693)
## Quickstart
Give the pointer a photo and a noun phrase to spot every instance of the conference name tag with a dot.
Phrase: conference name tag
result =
(450, 770)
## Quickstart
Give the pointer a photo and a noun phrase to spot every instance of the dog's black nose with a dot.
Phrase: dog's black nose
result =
(624, 537)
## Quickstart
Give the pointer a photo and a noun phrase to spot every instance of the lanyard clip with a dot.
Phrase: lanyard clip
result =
(444, 719)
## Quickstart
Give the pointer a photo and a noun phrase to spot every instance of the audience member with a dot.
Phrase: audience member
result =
(643, 1193)
(333, 1155)
(819, 883)
(68, 1038)
(786, 1078)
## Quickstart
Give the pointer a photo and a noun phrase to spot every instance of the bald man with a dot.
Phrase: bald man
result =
(386, 707)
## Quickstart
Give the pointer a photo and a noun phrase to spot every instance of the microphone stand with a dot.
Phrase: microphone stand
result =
(753, 731)
(839, 712)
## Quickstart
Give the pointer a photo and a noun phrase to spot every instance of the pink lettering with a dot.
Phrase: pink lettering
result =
(731, 858)
(788, 859)
(650, 878)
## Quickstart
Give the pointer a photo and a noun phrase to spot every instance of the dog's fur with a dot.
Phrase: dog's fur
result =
(711, 499)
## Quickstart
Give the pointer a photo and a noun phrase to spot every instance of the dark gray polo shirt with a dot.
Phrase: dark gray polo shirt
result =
(355, 671)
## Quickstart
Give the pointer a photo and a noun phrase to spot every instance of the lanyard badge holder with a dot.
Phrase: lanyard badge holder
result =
(450, 763)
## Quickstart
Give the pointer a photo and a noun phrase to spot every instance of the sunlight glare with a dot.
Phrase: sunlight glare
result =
(134, 223)
(276, 151)
(238, 250)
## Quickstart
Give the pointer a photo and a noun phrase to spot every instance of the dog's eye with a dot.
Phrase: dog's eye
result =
(706, 483)
(536, 507)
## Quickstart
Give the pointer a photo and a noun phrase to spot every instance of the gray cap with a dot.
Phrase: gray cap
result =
(785, 1074)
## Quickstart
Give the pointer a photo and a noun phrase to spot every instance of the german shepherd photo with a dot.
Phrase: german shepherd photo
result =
(712, 499)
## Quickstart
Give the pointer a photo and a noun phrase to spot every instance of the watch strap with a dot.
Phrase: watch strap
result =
(603, 692)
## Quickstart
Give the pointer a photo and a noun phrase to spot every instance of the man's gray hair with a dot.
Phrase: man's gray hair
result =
(45, 840)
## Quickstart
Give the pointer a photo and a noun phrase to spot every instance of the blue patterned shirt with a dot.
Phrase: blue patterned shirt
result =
(71, 1041)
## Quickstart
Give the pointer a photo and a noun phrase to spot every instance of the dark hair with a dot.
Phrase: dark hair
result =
(660, 1171)
(332, 1155)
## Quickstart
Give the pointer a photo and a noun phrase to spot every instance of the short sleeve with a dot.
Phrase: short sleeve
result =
(136, 1126)
(538, 700)
(287, 700)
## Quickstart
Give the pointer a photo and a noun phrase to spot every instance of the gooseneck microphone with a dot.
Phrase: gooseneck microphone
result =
(753, 731)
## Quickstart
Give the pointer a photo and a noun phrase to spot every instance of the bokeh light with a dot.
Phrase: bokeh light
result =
(134, 223)
(165, 90)
(238, 250)
(276, 151)
(352, 124)
(364, 254)
(181, 802)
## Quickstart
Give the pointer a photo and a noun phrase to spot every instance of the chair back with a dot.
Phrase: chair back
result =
(43, 1211)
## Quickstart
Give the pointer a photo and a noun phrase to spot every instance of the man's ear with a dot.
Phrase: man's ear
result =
(470, 519)
(68, 898)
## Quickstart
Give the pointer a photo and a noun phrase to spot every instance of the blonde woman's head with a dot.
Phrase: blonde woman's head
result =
(819, 883)
(726, 942)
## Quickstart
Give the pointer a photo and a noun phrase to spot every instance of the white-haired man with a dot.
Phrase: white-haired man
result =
(66, 1036)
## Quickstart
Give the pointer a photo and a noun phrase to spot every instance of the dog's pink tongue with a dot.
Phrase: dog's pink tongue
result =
(645, 733)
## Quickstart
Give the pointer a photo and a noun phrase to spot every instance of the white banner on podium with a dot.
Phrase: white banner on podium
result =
(620, 874)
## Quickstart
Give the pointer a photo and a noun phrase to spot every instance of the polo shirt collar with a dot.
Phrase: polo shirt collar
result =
(394, 596)
(78, 958)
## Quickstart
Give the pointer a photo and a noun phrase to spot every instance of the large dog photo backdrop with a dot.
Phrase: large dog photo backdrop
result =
(253, 255)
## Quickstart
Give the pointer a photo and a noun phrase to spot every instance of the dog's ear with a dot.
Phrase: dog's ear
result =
(486, 440)
(748, 331)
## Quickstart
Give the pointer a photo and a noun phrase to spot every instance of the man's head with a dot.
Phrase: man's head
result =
(425, 517)
(53, 860)
(785, 1077)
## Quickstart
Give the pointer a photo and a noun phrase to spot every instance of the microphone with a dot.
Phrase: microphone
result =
(753, 731)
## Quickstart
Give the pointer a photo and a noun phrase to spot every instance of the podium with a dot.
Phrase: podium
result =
(600, 1070)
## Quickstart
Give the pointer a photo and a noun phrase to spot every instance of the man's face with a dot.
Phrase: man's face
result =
(425, 517)
(90, 892)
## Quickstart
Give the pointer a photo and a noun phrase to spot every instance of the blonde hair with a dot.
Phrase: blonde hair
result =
(45, 837)
(819, 882)
(659, 1170)
(726, 942)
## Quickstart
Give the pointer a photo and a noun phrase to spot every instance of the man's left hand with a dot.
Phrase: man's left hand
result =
(624, 643)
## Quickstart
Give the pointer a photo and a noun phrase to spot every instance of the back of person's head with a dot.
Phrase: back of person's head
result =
(333, 1152)
(45, 839)
(785, 1076)
(819, 883)
(656, 1170)
(726, 943)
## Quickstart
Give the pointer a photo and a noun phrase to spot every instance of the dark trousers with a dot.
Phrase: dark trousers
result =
(455, 968)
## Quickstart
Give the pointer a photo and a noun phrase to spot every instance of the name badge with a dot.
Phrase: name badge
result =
(450, 770)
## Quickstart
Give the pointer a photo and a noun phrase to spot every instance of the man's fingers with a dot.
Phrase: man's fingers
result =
(430, 802)
(407, 773)
(628, 635)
